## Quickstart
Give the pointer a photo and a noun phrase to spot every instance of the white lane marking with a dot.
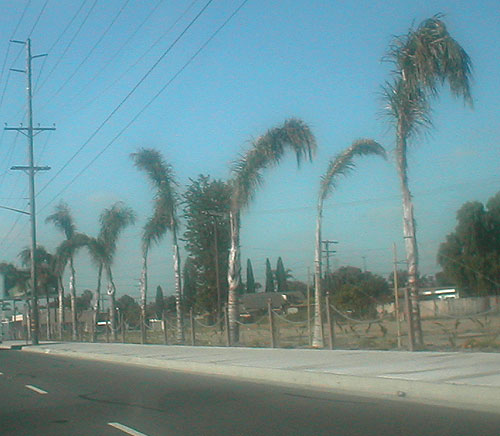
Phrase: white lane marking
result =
(126, 429)
(38, 390)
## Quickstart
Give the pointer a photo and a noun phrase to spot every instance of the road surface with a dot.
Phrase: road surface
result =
(50, 395)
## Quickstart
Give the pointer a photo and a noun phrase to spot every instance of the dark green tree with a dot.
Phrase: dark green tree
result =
(281, 276)
(159, 303)
(250, 285)
(269, 277)
(191, 294)
(130, 310)
(356, 291)
(470, 256)
(206, 211)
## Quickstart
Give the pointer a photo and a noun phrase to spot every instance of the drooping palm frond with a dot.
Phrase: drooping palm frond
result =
(63, 219)
(428, 56)
(407, 109)
(267, 151)
(162, 177)
(343, 163)
(113, 222)
(67, 248)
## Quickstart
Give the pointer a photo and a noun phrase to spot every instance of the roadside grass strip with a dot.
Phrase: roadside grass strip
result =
(126, 429)
(37, 390)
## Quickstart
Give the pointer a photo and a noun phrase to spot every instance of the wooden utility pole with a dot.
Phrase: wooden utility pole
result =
(31, 169)
(328, 252)
(309, 328)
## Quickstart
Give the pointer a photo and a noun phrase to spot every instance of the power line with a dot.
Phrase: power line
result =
(143, 78)
(38, 18)
(140, 58)
(88, 54)
(191, 59)
(57, 41)
(119, 50)
(70, 43)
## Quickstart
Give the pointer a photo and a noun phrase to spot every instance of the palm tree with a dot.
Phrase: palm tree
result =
(63, 221)
(266, 151)
(103, 249)
(338, 167)
(423, 59)
(161, 176)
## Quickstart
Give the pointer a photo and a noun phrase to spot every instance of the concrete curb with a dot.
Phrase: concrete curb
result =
(479, 398)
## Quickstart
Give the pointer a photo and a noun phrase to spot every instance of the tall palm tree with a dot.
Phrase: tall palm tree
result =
(338, 167)
(63, 221)
(423, 59)
(266, 151)
(113, 221)
(161, 177)
(103, 249)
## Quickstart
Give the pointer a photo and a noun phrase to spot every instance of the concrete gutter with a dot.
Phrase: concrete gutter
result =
(460, 380)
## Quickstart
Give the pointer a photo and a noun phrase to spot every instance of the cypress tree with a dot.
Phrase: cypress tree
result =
(159, 303)
(280, 276)
(250, 278)
(269, 277)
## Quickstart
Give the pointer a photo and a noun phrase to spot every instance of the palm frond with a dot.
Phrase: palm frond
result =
(267, 151)
(344, 163)
(113, 222)
(428, 56)
(63, 219)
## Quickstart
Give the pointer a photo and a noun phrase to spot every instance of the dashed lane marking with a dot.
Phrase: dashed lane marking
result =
(37, 390)
(126, 429)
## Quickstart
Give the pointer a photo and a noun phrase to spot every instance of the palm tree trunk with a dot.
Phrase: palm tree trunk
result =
(144, 290)
(61, 308)
(178, 287)
(409, 233)
(234, 277)
(72, 291)
(48, 314)
(97, 303)
(112, 304)
(318, 334)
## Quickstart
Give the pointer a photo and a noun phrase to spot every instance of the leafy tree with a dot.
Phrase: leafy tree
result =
(356, 291)
(250, 283)
(269, 277)
(130, 310)
(422, 61)
(281, 276)
(206, 211)
(162, 179)
(84, 301)
(191, 291)
(470, 256)
(338, 167)
(265, 152)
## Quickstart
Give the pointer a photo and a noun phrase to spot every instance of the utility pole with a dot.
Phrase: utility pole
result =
(328, 252)
(31, 169)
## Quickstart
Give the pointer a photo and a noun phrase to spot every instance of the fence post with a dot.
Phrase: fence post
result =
(164, 322)
(226, 321)
(143, 328)
(330, 322)
(123, 329)
(191, 317)
(271, 323)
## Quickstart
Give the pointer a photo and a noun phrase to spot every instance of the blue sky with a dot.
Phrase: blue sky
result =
(316, 60)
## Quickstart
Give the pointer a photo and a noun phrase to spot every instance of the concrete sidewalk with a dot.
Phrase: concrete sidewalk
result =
(467, 380)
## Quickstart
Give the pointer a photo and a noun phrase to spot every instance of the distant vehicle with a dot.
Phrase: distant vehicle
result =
(439, 294)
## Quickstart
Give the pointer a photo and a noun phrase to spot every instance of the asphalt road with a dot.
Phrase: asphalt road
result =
(49, 395)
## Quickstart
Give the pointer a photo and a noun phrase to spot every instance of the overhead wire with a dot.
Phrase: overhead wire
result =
(118, 135)
(69, 44)
(129, 94)
(61, 34)
(119, 49)
(140, 58)
(97, 43)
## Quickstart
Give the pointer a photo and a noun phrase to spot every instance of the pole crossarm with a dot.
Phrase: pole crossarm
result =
(28, 168)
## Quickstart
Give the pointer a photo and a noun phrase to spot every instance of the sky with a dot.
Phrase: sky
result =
(119, 76)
